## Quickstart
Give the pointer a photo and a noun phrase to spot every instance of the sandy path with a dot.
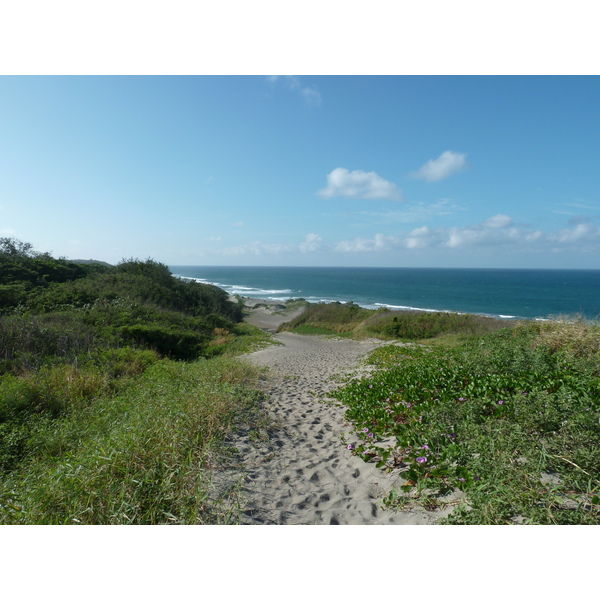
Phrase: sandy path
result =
(304, 474)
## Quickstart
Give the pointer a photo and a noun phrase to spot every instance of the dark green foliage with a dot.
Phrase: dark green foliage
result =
(29, 341)
(24, 271)
(417, 325)
(97, 424)
(71, 331)
(169, 341)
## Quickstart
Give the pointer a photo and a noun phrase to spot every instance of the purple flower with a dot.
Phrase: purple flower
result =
(366, 430)
(370, 435)
(421, 459)
(349, 446)
(409, 404)
(500, 401)
(425, 447)
(370, 386)
(460, 399)
(461, 479)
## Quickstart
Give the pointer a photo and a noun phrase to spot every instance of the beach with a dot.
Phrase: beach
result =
(304, 473)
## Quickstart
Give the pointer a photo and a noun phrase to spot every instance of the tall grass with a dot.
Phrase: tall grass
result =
(353, 321)
(333, 317)
(141, 456)
(98, 422)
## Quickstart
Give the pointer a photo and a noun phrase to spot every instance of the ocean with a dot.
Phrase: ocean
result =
(503, 293)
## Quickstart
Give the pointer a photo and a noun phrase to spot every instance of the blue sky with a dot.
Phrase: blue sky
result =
(432, 171)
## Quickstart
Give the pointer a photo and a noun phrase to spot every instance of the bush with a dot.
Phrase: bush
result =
(175, 343)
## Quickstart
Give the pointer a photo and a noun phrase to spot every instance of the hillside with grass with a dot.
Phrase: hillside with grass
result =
(117, 386)
(352, 321)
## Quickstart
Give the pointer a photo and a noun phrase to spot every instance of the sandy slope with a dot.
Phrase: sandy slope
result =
(304, 474)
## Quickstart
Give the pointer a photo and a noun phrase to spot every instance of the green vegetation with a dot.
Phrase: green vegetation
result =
(118, 387)
(350, 320)
(510, 418)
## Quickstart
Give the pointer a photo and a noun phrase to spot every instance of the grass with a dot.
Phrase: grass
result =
(511, 418)
(350, 320)
(118, 388)
(143, 455)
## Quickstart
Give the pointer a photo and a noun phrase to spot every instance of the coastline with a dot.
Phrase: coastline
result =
(504, 294)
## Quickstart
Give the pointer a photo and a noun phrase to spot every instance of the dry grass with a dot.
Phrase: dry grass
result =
(574, 335)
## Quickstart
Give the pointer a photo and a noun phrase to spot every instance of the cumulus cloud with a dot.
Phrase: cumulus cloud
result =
(492, 234)
(312, 243)
(258, 249)
(359, 184)
(498, 229)
(445, 165)
(311, 95)
(495, 230)
(378, 243)
(421, 237)
(497, 221)
(578, 231)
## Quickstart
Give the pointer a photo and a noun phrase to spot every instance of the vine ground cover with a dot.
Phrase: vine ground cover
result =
(510, 418)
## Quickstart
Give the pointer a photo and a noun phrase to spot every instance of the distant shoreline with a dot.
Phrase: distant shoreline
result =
(502, 294)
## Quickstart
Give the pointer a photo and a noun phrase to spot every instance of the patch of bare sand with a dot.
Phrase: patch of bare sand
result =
(304, 474)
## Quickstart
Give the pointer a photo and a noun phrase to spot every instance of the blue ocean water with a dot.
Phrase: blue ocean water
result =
(505, 293)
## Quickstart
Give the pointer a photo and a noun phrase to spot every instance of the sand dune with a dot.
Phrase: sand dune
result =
(304, 474)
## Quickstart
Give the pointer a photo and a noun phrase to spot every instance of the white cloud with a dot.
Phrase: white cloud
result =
(578, 232)
(359, 184)
(257, 249)
(422, 237)
(497, 222)
(312, 243)
(445, 165)
(495, 230)
(311, 95)
(415, 212)
(378, 243)
(498, 231)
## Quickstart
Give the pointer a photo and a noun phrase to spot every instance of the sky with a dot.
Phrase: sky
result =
(400, 170)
